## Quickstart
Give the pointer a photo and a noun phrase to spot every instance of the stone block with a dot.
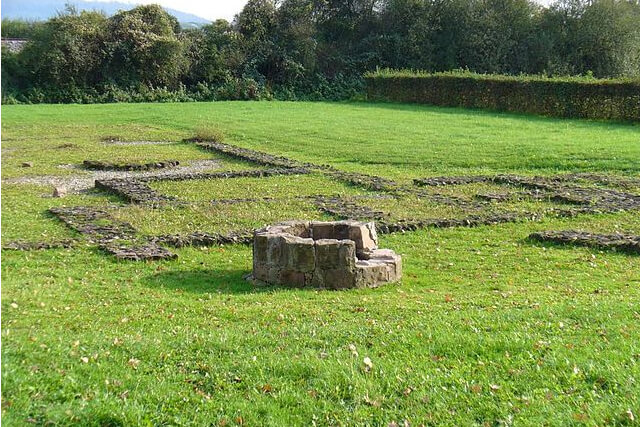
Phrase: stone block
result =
(347, 254)
(322, 230)
(390, 258)
(382, 254)
(298, 228)
(261, 272)
(341, 229)
(396, 269)
(275, 250)
(260, 247)
(365, 237)
(371, 274)
(339, 279)
(274, 275)
(327, 254)
(292, 277)
(59, 191)
(300, 253)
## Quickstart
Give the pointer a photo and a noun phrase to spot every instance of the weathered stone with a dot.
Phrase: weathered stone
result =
(616, 241)
(109, 166)
(261, 272)
(283, 254)
(274, 275)
(365, 237)
(59, 191)
(275, 250)
(322, 230)
(339, 279)
(297, 228)
(370, 273)
(341, 229)
(346, 254)
(300, 253)
(327, 254)
(260, 248)
(292, 277)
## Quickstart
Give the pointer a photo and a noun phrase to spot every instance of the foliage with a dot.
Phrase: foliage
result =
(208, 133)
(582, 97)
(19, 28)
(142, 47)
(66, 51)
(311, 49)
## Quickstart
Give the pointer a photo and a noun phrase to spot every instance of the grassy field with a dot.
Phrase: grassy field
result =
(486, 328)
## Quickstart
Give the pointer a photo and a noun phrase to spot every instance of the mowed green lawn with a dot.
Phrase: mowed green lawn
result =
(486, 327)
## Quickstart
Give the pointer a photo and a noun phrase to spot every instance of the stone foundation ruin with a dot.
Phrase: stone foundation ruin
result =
(328, 255)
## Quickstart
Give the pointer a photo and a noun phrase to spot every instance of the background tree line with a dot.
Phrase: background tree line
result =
(312, 49)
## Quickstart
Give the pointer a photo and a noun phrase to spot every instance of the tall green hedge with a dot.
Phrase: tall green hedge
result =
(576, 97)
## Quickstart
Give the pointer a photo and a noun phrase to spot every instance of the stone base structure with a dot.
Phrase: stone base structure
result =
(327, 255)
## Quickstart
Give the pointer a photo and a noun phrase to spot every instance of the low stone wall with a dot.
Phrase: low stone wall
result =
(331, 255)
(109, 166)
(616, 241)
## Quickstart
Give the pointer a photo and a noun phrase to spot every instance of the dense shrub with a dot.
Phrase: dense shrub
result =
(559, 97)
(312, 50)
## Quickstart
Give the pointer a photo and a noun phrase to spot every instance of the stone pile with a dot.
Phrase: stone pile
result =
(108, 166)
(326, 255)
(203, 239)
(115, 237)
(249, 155)
(20, 245)
(615, 241)
(133, 191)
(342, 207)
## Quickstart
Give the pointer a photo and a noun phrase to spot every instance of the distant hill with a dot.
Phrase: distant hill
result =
(40, 10)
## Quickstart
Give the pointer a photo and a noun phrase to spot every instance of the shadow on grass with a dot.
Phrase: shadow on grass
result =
(208, 281)
(485, 112)
(573, 246)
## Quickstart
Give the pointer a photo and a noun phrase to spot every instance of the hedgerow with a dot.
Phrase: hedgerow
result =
(577, 97)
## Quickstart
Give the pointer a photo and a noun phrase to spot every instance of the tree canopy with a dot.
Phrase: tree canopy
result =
(321, 48)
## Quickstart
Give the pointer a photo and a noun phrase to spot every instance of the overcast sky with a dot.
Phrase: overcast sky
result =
(208, 9)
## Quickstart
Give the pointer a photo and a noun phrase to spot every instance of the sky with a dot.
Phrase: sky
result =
(208, 9)
(212, 9)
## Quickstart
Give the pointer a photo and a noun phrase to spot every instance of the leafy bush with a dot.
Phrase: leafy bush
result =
(579, 97)
(208, 133)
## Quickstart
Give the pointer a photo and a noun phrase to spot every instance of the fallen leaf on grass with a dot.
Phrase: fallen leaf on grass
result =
(134, 363)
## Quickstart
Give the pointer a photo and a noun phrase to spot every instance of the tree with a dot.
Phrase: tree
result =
(143, 47)
(213, 53)
(66, 51)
